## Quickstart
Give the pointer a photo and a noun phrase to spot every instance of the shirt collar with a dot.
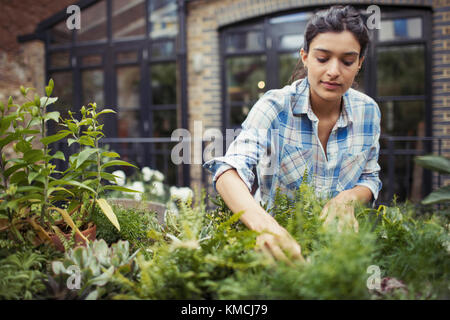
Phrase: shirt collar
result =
(301, 104)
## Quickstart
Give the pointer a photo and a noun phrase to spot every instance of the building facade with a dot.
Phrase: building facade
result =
(201, 64)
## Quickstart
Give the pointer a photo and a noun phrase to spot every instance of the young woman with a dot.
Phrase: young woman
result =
(318, 125)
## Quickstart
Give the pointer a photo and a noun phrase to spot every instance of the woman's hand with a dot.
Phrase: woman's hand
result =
(275, 241)
(342, 208)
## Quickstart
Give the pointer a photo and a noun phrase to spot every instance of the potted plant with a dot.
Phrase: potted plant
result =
(34, 191)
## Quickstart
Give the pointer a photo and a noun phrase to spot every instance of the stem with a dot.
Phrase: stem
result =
(2, 167)
(99, 177)
(46, 181)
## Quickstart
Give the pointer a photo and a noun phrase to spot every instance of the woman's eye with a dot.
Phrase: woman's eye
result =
(322, 60)
(348, 63)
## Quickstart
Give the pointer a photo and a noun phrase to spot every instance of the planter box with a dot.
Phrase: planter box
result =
(89, 233)
(159, 208)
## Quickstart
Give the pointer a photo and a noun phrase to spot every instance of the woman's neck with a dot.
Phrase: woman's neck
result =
(324, 109)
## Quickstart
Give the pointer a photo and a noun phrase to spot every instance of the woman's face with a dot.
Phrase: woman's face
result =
(332, 63)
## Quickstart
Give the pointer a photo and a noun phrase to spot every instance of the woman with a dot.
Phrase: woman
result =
(317, 125)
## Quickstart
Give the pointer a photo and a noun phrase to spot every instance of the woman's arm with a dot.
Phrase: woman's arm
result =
(274, 238)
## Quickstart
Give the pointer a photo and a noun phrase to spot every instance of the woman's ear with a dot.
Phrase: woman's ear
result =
(304, 57)
(360, 62)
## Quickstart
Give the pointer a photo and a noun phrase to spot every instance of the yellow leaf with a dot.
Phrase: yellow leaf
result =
(42, 234)
(70, 222)
(109, 213)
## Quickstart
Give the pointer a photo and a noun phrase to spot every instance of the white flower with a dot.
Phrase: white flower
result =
(137, 186)
(181, 193)
(120, 177)
(147, 173)
(158, 189)
(159, 176)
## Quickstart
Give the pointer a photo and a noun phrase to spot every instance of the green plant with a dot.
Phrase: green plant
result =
(134, 226)
(191, 255)
(32, 186)
(21, 275)
(441, 165)
(211, 255)
(96, 265)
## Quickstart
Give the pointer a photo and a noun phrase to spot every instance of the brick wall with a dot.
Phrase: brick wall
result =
(23, 63)
(441, 76)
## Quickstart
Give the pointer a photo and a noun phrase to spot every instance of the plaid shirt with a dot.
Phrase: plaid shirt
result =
(280, 139)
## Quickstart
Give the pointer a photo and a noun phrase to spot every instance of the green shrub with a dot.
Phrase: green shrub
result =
(134, 226)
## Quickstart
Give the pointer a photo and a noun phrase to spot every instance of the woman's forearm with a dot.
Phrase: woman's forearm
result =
(238, 198)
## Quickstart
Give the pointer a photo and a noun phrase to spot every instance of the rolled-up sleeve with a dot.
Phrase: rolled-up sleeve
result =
(370, 175)
(249, 146)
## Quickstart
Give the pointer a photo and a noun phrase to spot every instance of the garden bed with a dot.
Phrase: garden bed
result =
(398, 253)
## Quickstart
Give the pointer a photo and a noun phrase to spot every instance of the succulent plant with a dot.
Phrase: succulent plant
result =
(94, 265)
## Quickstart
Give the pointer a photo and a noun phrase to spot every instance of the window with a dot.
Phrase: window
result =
(122, 57)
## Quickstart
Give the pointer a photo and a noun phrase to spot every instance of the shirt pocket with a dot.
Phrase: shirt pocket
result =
(352, 166)
(293, 164)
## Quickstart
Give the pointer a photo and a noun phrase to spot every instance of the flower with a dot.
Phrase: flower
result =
(147, 173)
(120, 177)
(159, 176)
(158, 189)
(181, 193)
(137, 186)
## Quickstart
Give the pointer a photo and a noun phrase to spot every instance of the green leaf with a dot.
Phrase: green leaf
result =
(59, 155)
(52, 116)
(14, 168)
(93, 134)
(10, 138)
(46, 101)
(49, 88)
(23, 146)
(104, 175)
(5, 122)
(435, 163)
(438, 196)
(23, 91)
(117, 163)
(51, 190)
(18, 177)
(84, 155)
(110, 154)
(72, 183)
(119, 188)
(34, 122)
(53, 138)
(70, 141)
(102, 279)
(32, 176)
(108, 211)
(34, 155)
(28, 189)
(86, 141)
(105, 111)
(72, 127)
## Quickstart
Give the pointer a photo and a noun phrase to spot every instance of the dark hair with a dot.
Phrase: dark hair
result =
(334, 19)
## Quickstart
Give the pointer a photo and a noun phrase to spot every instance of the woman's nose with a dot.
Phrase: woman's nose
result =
(333, 68)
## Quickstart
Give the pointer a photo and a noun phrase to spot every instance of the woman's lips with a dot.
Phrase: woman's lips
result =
(330, 85)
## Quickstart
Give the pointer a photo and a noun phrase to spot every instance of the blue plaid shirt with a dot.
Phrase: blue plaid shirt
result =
(280, 139)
